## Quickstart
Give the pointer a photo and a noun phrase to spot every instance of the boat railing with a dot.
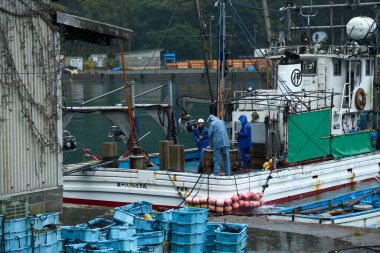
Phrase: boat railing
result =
(262, 99)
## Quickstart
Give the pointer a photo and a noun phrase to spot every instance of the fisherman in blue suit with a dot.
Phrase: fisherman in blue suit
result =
(218, 137)
(201, 137)
(244, 138)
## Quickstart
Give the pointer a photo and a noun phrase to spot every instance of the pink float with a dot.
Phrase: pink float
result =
(235, 198)
(220, 202)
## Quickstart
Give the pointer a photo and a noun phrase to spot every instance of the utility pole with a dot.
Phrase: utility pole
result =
(267, 22)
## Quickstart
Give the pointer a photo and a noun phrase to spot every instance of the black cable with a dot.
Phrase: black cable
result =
(183, 200)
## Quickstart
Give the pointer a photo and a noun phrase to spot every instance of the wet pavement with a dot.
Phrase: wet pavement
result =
(266, 235)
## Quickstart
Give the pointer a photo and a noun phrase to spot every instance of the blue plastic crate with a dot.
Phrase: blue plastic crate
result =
(187, 247)
(188, 237)
(73, 248)
(129, 244)
(16, 225)
(222, 236)
(17, 242)
(121, 232)
(122, 216)
(16, 234)
(138, 208)
(48, 248)
(40, 221)
(23, 250)
(190, 215)
(197, 227)
(167, 215)
(82, 234)
(231, 247)
(96, 250)
(153, 249)
(150, 238)
(152, 225)
(47, 237)
(98, 223)
(212, 226)
(210, 248)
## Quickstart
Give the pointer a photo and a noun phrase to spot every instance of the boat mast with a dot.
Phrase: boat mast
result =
(221, 56)
(205, 50)
(267, 22)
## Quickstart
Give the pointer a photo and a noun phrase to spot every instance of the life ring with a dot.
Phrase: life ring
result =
(360, 99)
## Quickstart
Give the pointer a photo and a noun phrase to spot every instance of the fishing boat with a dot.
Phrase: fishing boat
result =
(357, 209)
(315, 131)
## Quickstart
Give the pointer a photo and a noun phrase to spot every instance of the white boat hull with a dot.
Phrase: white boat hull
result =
(115, 187)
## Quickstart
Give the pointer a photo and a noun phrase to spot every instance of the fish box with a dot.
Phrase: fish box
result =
(231, 247)
(98, 223)
(48, 248)
(123, 217)
(153, 249)
(121, 232)
(23, 250)
(82, 234)
(152, 225)
(187, 247)
(150, 238)
(17, 242)
(128, 244)
(190, 215)
(40, 221)
(47, 237)
(138, 208)
(73, 248)
(188, 237)
(197, 227)
(231, 233)
(15, 225)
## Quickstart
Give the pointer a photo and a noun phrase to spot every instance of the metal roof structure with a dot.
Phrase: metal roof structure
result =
(83, 29)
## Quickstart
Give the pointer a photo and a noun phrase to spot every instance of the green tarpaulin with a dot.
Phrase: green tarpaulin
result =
(308, 135)
(351, 144)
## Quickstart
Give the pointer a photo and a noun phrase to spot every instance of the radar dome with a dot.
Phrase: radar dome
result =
(359, 28)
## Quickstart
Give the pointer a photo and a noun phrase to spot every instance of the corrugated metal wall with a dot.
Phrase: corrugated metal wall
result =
(30, 98)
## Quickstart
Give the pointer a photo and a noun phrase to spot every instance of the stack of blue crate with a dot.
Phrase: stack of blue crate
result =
(151, 229)
(39, 233)
(189, 230)
(231, 237)
(211, 235)
(100, 235)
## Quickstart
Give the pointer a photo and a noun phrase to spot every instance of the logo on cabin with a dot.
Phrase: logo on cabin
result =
(296, 77)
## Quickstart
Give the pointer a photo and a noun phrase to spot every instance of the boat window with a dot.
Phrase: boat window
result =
(337, 67)
(309, 67)
(368, 67)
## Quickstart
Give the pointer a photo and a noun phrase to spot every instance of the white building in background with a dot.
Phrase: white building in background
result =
(99, 60)
(74, 61)
(144, 59)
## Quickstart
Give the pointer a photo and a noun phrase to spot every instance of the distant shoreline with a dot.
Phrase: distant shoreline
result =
(167, 74)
